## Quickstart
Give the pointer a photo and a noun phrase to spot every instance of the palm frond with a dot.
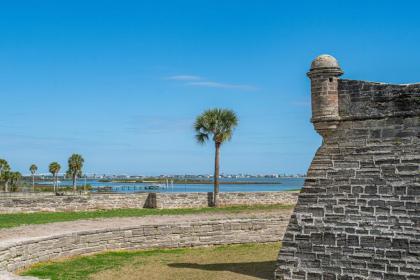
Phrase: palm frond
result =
(202, 138)
(216, 123)
(75, 163)
(33, 168)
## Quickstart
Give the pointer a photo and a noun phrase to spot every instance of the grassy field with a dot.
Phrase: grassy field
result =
(230, 262)
(14, 220)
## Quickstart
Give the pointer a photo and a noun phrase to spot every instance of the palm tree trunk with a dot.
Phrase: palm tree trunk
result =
(74, 183)
(6, 186)
(55, 183)
(33, 182)
(216, 175)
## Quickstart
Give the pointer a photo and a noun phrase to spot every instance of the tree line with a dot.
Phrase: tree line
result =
(10, 179)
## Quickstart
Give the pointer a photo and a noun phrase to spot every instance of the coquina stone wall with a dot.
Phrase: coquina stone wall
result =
(358, 215)
(192, 200)
(20, 254)
(18, 203)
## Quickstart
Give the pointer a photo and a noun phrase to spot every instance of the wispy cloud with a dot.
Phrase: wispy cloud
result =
(198, 81)
(184, 78)
(221, 85)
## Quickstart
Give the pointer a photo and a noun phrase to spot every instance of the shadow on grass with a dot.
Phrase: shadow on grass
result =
(262, 270)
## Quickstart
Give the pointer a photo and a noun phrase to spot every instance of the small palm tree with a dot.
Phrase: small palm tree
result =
(6, 177)
(75, 163)
(217, 124)
(4, 166)
(14, 180)
(33, 168)
(54, 168)
(4, 172)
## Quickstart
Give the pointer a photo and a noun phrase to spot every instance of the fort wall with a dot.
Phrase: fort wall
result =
(358, 215)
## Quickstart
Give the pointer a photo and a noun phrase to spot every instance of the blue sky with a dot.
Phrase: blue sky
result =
(121, 81)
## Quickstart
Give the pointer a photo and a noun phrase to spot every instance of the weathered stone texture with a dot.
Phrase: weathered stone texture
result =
(18, 203)
(190, 200)
(20, 254)
(358, 215)
(15, 203)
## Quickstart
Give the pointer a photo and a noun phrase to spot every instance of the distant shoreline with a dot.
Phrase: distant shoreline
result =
(190, 182)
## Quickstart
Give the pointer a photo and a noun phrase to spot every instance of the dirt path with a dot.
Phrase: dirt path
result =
(29, 232)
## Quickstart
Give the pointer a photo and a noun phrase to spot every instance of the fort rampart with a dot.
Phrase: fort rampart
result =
(358, 215)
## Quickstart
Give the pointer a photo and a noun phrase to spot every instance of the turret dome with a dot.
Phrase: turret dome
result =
(324, 61)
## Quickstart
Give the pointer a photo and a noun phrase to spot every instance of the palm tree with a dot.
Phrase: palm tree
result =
(4, 166)
(4, 172)
(14, 179)
(54, 168)
(217, 124)
(11, 178)
(33, 168)
(6, 177)
(75, 163)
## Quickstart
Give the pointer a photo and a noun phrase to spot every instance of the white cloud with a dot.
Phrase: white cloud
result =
(211, 84)
(198, 81)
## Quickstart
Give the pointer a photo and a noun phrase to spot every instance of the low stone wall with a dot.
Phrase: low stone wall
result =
(192, 200)
(244, 198)
(20, 254)
(20, 203)
(180, 200)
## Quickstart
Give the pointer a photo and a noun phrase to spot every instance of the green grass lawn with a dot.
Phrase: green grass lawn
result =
(245, 261)
(14, 220)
